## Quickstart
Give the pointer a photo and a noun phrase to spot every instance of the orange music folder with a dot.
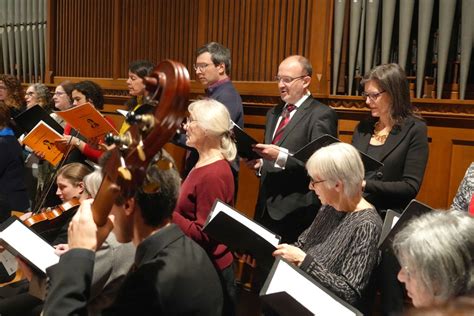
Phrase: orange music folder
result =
(88, 121)
(42, 138)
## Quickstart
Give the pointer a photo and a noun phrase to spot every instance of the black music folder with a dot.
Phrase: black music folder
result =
(305, 153)
(244, 143)
(290, 291)
(394, 221)
(29, 118)
(21, 241)
(228, 226)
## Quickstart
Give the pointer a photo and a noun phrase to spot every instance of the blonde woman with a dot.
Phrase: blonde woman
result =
(208, 131)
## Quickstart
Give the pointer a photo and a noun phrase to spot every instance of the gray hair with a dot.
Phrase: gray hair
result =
(43, 95)
(219, 54)
(439, 246)
(338, 162)
(92, 182)
(215, 118)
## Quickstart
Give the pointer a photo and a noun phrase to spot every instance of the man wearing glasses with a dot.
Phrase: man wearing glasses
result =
(285, 204)
(212, 68)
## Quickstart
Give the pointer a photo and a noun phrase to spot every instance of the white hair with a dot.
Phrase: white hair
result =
(439, 246)
(338, 162)
(215, 118)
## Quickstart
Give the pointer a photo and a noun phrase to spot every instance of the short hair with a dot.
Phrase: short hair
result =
(439, 246)
(392, 79)
(215, 118)
(43, 95)
(15, 97)
(219, 54)
(162, 175)
(338, 162)
(74, 172)
(305, 64)
(92, 91)
(92, 182)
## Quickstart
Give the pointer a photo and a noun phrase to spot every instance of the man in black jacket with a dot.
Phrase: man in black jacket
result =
(171, 275)
(285, 204)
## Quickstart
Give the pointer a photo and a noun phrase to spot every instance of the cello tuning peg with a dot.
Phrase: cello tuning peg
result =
(124, 171)
(119, 140)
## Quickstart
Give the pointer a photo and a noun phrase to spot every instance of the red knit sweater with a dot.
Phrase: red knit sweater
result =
(198, 193)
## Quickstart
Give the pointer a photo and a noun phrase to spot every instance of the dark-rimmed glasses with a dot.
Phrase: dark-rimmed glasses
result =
(372, 95)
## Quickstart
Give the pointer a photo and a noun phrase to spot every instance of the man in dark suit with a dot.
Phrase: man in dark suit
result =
(171, 275)
(285, 204)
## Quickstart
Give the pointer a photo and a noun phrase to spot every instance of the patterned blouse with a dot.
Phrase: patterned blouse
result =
(463, 197)
(341, 250)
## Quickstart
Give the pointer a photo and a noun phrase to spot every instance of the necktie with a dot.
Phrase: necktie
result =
(285, 119)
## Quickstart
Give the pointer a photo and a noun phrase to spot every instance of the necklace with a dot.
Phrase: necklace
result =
(380, 133)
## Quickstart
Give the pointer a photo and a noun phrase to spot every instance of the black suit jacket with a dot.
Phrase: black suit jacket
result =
(404, 155)
(285, 191)
(173, 276)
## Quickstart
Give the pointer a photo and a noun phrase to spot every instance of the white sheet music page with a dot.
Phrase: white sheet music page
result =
(287, 279)
(29, 245)
(265, 234)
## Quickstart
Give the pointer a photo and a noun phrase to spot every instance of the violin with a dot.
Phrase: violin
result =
(168, 86)
(49, 221)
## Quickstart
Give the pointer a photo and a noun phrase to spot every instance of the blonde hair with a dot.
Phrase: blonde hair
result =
(215, 118)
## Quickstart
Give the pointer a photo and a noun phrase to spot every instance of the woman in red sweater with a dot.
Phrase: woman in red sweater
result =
(208, 131)
(83, 92)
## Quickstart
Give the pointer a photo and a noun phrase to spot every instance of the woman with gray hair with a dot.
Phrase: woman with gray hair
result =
(436, 252)
(208, 130)
(339, 249)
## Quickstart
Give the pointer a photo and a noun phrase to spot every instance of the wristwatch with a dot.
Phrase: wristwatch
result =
(78, 142)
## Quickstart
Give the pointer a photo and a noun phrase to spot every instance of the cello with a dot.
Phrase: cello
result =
(130, 154)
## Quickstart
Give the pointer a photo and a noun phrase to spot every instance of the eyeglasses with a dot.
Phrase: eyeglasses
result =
(58, 94)
(372, 95)
(30, 94)
(201, 67)
(312, 182)
(3, 88)
(287, 79)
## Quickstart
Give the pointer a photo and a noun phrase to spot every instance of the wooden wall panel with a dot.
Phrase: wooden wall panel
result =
(260, 33)
(83, 41)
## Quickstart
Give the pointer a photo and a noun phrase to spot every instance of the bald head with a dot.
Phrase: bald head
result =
(294, 75)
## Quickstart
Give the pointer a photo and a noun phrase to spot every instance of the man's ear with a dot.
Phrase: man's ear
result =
(129, 206)
(221, 69)
(306, 81)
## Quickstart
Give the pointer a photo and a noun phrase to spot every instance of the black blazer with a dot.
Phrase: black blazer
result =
(284, 191)
(172, 276)
(404, 154)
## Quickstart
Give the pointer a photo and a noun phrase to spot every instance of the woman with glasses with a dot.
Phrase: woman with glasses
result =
(83, 92)
(38, 94)
(397, 137)
(339, 249)
(62, 99)
(436, 252)
(208, 130)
